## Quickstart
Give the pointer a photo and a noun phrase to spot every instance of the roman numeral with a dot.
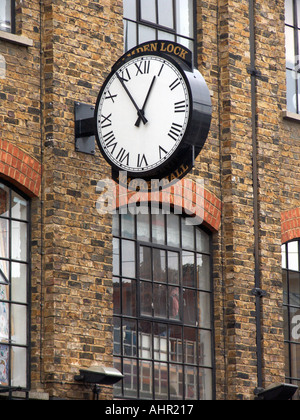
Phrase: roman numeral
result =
(125, 76)
(179, 106)
(143, 67)
(109, 139)
(106, 119)
(121, 156)
(162, 152)
(140, 161)
(174, 84)
(108, 95)
(175, 131)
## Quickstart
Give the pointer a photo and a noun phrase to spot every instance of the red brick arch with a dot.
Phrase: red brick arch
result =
(20, 169)
(186, 200)
(290, 225)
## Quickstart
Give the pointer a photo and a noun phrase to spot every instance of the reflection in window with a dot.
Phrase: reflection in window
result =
(162, 308)
(7, 15)
(291, 301)
(292, 41)
(14, 313)
(148, 20)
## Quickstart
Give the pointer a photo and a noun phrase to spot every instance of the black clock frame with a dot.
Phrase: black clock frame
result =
(199, 118)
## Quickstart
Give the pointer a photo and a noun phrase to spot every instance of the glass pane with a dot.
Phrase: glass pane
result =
(4, 201)
(174, 306)
(295, 326)
(173, 268)
(186, 43)
(202, 241)
(166, 13)
(116, 225)
(19, 324)
(4, 314)
(130, 35)
(188, 240)
(19, 363)
(283, 256)
(294, 284)
(118, 386)
(117, 296)
(173, 230)
(285, 287)
(19, 282)
(205, 380)
(5, 15)
(293, 255)
(129, 9)
(18, 207)
(143, 227)
(145, 263)
(175, 344)
(148, 10)
(291, 96)
(298, 13)
(129, 338)
(161, 381)
(289, 12)
(290, 47)
(4, 239)
(116, 257)
(185, 18)
(160, 342)
(4, 365)
(146, 382)
(159, 266)
(191, 383)
(128, 259)
(128, 226)
(188, 269)
(205, 348)
(295, 360)
(117, 336)
(158, 229)
(4, 274)
(176, 382)
(145, 340)
(146, 298)
(19, 241)
(189, 306)
(146, 34)
(165, 36)
(130, 380)
(203, 272)
(204, 310)
(190, 345)
(160, 300)
(129, 297)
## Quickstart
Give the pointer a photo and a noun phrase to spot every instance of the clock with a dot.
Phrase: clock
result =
(152, 114)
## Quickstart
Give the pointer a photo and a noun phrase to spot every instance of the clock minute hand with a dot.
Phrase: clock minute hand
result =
(139, 111)
(137, 124)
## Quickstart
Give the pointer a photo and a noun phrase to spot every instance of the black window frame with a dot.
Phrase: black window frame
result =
(10, 388)
(120, 319)
(294, 71)
(174, 32)
(291, 307)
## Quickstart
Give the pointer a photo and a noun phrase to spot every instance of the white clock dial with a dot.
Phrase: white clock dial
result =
(143, 113)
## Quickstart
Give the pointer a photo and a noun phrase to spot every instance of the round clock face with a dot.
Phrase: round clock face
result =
(142, 114)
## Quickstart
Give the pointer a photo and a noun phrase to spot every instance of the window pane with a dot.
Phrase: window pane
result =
(4, 239)
(116, 256)
(146, 298)
(130, 380)
(160, 342)
(295, 360)
(191, 383)
(146, 385)
(204, 310)
(158, 229)
(148, 10)
(291, 91)
(130, 35)
(203, 272)
(290, 47)
(19, 324)
(298, 13)
(129, 9)
(4, 365)
(19, 282)
(173, 267)
(4, 201)
(160, 300)
(190, 345)
(18, 207)
(293, 256)
(165, 36)
(176, 382)
(283, 256)
(143, 227)
(145, 263)
(185, 19)
(289, 12)
(19, 363)
(128, 226)
(202, 241)
(161, 381)
(129, 338)
(117, 296)
(173, 230)
(5, 15)
(159, 266)
(4, 274)
(294, 288)
(116, 225)
(117, 336)
(166, 13)
(189, 306)
(205, 379)
(175, 344)
(146, 34)
(174, 306)
(188, 269)
(205, 348)
(19, 241)
(128, 259)
(188, 240)
(295, 326)
(4, 314)
(145, 340)
(129, 297)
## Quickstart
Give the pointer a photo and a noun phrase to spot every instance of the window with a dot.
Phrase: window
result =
(291, 282)
(148, 20)
(7, 15)
(292, 36)
(162, 308)
(14, 288)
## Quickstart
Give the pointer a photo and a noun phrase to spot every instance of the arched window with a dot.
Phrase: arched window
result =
(162, 308)
(291, 301)
(14, 288)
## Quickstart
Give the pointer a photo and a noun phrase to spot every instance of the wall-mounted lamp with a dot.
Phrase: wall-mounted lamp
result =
(99, 375)
(276, 392)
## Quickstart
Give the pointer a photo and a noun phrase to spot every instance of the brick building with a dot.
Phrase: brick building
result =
(72, 291)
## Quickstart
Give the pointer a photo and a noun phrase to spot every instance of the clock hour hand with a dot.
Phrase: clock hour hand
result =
(139, 111)
(137, 124)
